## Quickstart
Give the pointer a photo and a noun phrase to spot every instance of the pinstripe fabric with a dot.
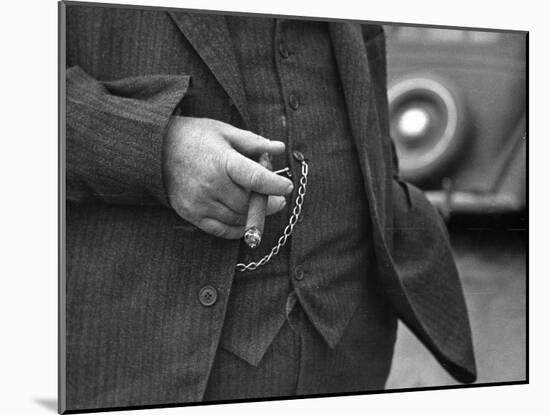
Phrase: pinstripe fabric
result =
(136, 332)
(300, 362)
(139, 109)
(416, 265)
(336, 256)
(133, 278)
(275, 376)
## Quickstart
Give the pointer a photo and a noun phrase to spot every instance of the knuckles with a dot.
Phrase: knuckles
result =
(213, 228)
(255, 179)
(197, 175)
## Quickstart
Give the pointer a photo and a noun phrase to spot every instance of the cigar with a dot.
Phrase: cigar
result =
(255, 219)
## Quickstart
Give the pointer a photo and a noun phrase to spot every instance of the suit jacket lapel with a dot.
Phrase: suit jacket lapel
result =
(419, 273)
(209, 35)
(347, 40)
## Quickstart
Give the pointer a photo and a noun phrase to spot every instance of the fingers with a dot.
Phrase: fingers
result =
(223, 222)
(234, 197)
(275, 204)
(248, 143)
(220, 229)
(227, 225)
(253, 177)
(226, 215)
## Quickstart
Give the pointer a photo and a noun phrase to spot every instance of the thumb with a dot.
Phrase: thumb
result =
(275, 204)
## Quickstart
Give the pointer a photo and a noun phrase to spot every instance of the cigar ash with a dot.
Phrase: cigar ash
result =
(252, 237)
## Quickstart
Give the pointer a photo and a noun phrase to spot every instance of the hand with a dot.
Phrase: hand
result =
(209, 178)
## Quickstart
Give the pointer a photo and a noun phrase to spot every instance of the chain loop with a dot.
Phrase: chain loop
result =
(296, 211)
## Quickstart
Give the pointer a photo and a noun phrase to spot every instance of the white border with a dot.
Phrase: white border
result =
(28, 219)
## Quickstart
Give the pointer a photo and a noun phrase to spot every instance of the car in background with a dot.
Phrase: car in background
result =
(457, 103)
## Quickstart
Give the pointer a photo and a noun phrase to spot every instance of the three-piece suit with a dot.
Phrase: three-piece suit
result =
(146, 292)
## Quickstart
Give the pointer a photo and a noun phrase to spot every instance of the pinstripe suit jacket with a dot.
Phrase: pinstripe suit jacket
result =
(136, 333)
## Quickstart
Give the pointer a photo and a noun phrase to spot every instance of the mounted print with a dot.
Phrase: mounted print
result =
(258, 207)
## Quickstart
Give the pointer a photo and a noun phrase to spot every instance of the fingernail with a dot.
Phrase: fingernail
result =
(283, 204)
(290, 188)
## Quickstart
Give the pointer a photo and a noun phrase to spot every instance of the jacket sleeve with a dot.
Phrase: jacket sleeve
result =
(422, 279)
(113, 136)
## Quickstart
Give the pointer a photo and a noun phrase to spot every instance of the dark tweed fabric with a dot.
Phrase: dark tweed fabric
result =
(136, 332)
(286, 59)
(300, 362)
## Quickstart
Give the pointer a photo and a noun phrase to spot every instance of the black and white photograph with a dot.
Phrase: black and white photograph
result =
(238, 207)
(258, 207)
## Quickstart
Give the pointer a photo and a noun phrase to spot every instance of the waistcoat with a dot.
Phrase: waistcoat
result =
(294, 95)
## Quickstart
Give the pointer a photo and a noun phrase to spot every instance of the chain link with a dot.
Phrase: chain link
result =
(296, 211)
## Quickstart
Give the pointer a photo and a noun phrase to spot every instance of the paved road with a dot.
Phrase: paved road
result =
(492, 265)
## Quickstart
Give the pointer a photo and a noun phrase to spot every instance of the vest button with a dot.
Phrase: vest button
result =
(208, 295)
(298, 274)
(283, 51)
(298, 156)
(294, 101)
